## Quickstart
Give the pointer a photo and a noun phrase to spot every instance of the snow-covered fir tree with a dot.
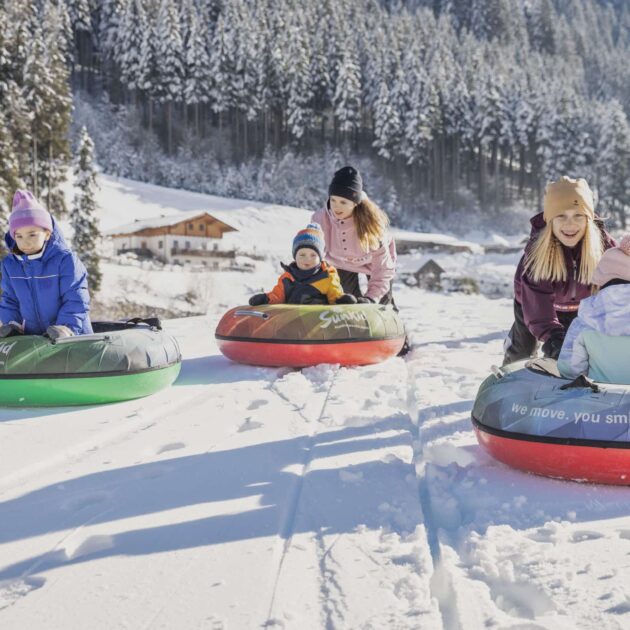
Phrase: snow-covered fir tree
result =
(109, 20)
(84, 211)
(80, 14)
(347, 96)
(387, 125)
(221, 68)
(56, 37)
(299, 86)
(488, 96)
(197, 60)
(8, 171)
(131, 34)
(170, 53)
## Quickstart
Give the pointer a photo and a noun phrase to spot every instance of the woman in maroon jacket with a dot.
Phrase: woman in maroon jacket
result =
(554, 274)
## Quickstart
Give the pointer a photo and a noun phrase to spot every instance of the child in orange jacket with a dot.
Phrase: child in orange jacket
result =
(308, 279)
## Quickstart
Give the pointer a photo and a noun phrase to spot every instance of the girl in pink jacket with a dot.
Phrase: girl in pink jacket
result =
(357, 239)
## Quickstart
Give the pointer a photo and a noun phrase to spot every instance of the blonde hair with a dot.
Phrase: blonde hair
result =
(546, 261)
(371, 223)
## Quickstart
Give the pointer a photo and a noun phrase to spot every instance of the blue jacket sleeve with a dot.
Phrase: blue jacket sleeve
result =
(573, 359)
(75, 299)
(9, 305)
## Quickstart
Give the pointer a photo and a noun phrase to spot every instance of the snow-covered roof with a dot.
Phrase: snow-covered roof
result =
(161, 221)
(431, 238)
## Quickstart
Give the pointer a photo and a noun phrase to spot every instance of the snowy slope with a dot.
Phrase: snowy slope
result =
(260, 226)
(248, 497)
(240, 496)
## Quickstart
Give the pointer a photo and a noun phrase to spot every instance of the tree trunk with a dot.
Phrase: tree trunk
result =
(35, 187)
(265, 128)
(493, 164)
(481, 192)
(220, 143)
(245, 137)
(510, 172)
(83, 55)
(323, 128)
(169, 126)
(50, 159)
(443, 168)
(456, 162)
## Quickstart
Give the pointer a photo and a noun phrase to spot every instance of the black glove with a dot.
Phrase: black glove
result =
(551, 348)
(346, 298)
(318, 300)
(11, 329)
(365, 300)
(259, 299)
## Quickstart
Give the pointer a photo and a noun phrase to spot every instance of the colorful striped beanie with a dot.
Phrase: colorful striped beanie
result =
(312, 237)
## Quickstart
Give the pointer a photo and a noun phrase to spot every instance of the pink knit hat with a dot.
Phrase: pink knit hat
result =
(27, 211)
(615, 263)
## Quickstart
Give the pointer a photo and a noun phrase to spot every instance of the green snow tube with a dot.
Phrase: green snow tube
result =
(120, 361)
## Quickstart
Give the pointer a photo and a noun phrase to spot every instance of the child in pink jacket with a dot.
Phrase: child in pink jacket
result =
(357, 238)
(358, 241)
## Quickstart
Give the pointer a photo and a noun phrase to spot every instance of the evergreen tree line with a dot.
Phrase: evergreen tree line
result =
(493, 96)
(459, 101)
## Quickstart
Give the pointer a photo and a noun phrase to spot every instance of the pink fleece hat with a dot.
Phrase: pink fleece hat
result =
(28, 211)
(615, 263)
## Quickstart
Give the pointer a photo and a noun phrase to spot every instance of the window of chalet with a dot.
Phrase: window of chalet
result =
(201, 227)
(175, 244)
(191, 226)
(187, 244)
(143, 244)
(160, 244)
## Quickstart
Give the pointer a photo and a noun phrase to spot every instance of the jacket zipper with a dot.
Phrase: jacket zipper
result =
(574, 288)
(34, 297)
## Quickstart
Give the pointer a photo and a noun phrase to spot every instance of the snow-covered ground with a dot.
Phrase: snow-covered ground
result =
(329, 497)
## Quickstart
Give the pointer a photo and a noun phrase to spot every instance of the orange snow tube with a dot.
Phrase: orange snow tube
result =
(301, 335)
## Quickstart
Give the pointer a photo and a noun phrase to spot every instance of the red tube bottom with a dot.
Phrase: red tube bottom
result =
(576, 463)
(304, 355)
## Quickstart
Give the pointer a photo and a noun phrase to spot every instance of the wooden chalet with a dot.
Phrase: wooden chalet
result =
(187, 237)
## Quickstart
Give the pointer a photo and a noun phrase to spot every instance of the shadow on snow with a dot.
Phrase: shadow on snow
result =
(263, 473)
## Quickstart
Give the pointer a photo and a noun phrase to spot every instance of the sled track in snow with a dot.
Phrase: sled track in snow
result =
(440, 585)
(287, 530)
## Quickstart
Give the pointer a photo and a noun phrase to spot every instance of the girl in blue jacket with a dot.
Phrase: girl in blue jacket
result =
(44, 284)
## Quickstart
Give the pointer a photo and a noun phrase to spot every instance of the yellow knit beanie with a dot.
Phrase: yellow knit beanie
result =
(566, 194)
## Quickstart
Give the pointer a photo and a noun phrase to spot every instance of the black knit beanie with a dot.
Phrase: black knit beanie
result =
(347, 183)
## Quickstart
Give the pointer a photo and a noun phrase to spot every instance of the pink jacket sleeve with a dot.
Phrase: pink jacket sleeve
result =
(382, 270)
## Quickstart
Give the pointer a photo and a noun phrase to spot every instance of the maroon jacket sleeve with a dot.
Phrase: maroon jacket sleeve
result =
(537, 300)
